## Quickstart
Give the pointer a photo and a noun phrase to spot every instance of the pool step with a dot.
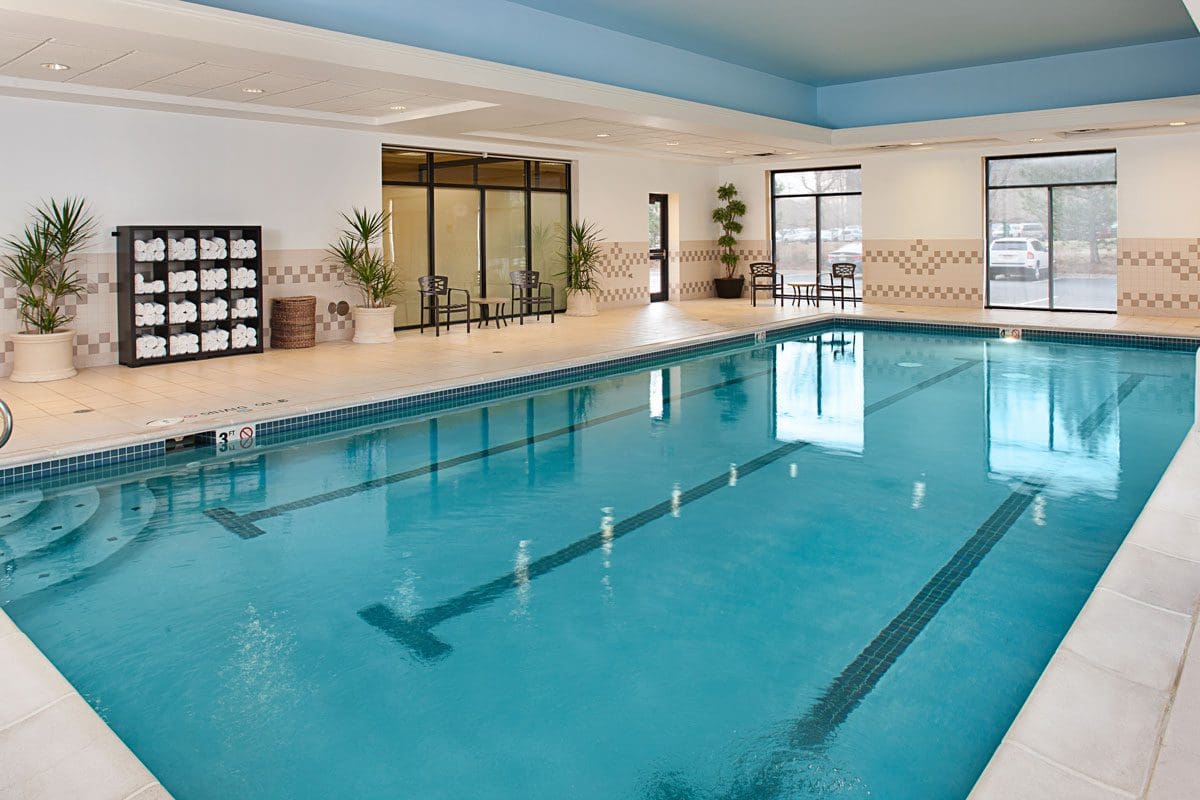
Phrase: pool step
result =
(55, 516)
(120, 514)
(15, 507)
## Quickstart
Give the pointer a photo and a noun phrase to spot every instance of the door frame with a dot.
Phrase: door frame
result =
(664, 257)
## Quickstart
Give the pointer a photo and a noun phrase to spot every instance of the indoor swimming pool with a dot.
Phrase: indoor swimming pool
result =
(828, 565)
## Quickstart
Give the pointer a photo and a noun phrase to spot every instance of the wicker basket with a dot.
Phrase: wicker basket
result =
(293, 322)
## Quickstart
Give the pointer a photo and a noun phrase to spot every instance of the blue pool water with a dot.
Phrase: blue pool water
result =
(827, 567)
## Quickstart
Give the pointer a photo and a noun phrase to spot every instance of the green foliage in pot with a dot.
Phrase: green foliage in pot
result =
(359, 253)
(726, 215)
(40, 261)
(582, 255)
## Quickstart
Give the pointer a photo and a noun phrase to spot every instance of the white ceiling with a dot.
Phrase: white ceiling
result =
(322, 78)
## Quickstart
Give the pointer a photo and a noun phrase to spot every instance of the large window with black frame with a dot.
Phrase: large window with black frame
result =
(816, 221)
(1052, 231)
(473, 218)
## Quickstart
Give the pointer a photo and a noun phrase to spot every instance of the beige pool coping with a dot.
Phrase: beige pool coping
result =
(1114, 715)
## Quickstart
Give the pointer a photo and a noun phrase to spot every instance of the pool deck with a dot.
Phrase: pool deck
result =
(1114, 715)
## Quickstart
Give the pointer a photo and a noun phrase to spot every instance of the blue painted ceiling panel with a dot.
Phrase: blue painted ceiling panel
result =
(940, 58)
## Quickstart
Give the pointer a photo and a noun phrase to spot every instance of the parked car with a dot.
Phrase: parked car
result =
(847, 254)
(1023, 258)
(852, 233)
(1028, 230)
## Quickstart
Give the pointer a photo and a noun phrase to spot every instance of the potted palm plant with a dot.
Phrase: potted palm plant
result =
(358, 252)
(726, 215)
(40, 261)
(582, 271)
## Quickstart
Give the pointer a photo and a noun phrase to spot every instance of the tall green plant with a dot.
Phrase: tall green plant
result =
(726, 215)
(40, 261)
(582, 256)
(358, 251)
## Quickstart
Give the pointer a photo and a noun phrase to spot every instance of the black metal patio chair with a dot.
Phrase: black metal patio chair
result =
(765, 277)
(437, 299)
(527, 295)
(837, 282)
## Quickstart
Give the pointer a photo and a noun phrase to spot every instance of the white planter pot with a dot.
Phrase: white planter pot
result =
(374, 325)
(581, 304)
(43, 356)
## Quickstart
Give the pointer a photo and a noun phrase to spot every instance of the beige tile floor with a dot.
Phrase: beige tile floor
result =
(108, 406)
(1129, 734)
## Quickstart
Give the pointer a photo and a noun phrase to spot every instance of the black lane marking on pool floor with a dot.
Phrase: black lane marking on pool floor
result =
(1097, 417)
(414, 631)
(243, 524)
(812, 731)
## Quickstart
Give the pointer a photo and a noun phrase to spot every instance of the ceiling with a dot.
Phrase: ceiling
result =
(823, 42)
(185, 58)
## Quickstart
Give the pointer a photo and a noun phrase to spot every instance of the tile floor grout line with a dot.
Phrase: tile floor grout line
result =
(1164, 721)
(69, 693)
(1069, 770)
(1170, 611)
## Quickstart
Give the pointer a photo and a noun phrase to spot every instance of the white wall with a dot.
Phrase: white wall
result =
(938, 194)
(1158, 187)
(613, 192)
(151, 167)
(147, 167)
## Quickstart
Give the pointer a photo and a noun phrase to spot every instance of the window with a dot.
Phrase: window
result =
(816, 221)
(477, 219)
(1052, 231)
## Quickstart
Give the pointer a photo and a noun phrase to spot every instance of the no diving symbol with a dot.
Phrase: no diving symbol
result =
(246, 436)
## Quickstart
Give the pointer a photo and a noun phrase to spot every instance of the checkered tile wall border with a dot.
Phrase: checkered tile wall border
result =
(1158, 277)
(95, 313)
(941, 272)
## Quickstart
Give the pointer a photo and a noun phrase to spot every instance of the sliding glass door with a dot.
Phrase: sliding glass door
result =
(474, 219)
(816, 221)
(406, 243)
(456, 237)
(504, 238)
(1052, 232)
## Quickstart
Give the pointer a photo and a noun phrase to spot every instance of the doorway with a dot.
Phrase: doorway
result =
(659, 237)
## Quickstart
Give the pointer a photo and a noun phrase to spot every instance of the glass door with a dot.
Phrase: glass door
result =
(1018, 258)
(1084, 244)
(504, 239)
(456, 237)
(659, 238)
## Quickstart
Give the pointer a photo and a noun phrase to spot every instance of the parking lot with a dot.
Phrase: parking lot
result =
(1091, 292)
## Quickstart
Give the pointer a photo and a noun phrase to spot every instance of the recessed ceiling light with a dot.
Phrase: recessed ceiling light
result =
(730, 152)
(916, 144)
(672, 144)
(1037, 139)
(398, 108)
(602, 135)
(252, 90)
(1177, 124)
(54, 65)
(790, 153)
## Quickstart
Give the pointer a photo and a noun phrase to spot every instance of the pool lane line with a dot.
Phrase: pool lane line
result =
(811, 732)
(414, 632)
(1097, 417)
(243, 524)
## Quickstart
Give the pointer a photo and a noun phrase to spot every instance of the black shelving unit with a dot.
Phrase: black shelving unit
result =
(127, 298)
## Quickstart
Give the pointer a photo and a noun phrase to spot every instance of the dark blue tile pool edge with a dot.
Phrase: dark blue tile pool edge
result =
(116, 461)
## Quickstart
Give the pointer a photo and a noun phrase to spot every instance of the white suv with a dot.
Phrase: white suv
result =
(1026, 259)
